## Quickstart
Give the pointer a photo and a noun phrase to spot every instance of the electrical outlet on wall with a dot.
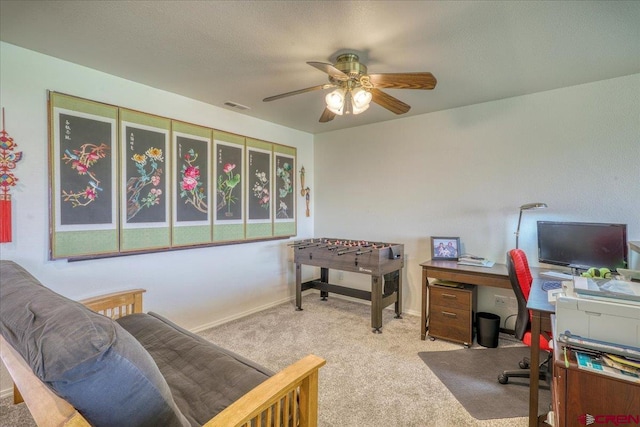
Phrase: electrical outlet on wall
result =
(500, 301)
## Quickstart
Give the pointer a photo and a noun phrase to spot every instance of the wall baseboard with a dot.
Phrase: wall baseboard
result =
(6, 393)
(240, 315)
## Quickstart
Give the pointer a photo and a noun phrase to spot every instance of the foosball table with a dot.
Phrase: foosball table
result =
(382, 261)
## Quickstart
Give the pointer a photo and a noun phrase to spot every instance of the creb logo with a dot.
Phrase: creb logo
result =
(616, 420)
(586, 419)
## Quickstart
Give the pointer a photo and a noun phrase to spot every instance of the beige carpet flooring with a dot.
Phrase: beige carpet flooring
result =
(369, 380)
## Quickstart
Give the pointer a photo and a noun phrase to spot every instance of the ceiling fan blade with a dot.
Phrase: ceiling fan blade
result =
(296, 92)
(329, 69)
(403, 80)
(389, 102)
(327, 116)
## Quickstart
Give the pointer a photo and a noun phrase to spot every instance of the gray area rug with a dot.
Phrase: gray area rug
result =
(471, 375)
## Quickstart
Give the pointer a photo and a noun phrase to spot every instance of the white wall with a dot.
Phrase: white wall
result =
(465, 172)
(196, 287)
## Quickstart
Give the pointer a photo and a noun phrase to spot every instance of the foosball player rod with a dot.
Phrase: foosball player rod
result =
(348, 251)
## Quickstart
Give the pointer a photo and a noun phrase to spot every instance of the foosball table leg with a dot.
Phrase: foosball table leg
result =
(324, 278)
(298, 287)
(376, 304)
(399, 297)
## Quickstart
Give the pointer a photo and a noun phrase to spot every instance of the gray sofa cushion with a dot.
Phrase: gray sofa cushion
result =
(204, 378)
(86, 358)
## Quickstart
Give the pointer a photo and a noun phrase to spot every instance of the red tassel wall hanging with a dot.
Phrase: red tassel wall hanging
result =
(8, 160)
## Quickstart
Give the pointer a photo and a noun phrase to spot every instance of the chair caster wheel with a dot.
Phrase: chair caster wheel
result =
(524, 364)
(503, 379)
(432, 339)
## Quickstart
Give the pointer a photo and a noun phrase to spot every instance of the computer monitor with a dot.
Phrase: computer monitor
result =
(583, 245)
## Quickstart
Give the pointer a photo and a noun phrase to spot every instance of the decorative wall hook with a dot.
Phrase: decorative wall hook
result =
(305, 191)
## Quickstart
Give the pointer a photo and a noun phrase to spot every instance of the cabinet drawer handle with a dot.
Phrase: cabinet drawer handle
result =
(452, 296)
(449, 314)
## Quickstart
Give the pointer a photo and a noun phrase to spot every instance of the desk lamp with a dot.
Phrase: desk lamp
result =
(527, 207)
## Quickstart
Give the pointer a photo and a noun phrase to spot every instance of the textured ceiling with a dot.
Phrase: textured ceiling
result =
(244, 51)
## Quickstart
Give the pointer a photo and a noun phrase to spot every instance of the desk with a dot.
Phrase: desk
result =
(497, 277)
(541, 311)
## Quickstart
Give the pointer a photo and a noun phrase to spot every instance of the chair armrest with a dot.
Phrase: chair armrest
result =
(265, 399)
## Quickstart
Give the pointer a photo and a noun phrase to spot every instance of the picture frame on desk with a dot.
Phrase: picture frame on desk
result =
(445, 248)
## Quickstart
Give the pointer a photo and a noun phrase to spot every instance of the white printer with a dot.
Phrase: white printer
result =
(603, 318)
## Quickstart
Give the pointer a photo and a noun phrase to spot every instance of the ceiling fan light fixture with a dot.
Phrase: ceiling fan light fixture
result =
(355, 89)
(361, 99)
(335, 101)
(356, 110)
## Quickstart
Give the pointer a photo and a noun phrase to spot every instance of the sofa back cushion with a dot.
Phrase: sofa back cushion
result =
(84, 357)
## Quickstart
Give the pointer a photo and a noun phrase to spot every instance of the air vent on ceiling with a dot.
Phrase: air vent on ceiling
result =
(236, 105)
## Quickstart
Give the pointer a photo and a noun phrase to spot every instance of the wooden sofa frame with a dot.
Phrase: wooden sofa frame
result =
(291, 393)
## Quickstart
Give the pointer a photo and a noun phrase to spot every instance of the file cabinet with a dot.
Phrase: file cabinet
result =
(451, 312)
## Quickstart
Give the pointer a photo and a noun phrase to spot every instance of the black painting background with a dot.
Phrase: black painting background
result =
(83, 131)
(186, 211)
(228, 154)
(258, 161)
(287, 199)
(143, 140)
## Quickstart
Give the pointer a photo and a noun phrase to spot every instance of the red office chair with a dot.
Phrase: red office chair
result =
(521, 279)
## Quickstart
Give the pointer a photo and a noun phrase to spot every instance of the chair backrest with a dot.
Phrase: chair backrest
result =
(521, 279)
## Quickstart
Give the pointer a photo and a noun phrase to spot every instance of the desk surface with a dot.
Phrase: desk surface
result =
(538, 298)
(496, 276)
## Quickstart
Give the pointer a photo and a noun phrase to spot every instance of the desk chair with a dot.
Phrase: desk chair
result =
(521, 280)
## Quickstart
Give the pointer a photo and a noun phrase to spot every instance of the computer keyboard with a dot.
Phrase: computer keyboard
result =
(548, 285)
(556, 275)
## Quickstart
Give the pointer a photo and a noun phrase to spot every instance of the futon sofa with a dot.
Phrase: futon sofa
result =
(137, 370)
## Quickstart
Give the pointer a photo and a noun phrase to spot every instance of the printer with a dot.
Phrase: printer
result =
(602, 318)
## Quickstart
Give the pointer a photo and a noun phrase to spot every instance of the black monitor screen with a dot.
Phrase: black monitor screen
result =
(583, 244)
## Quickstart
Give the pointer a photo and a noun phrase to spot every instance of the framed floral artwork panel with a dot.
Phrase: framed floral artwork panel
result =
(145, 192)
(83, 173)
(229, 176)
(284, 200)
(259, 189)
(445, 248)
(191, 211)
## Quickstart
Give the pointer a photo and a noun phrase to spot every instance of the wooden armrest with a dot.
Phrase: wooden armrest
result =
(47, 409)
(303, 373)
(117, 304)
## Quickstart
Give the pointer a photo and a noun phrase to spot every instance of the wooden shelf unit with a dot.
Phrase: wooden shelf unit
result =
(577, 392)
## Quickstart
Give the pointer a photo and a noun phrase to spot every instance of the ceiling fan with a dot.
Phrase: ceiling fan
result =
(355, 89)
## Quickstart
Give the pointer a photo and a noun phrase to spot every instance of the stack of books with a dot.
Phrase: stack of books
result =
(467, 259)
(610, 364)
(614, 360)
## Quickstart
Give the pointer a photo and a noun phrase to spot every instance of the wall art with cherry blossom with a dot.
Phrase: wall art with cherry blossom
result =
(124, 181)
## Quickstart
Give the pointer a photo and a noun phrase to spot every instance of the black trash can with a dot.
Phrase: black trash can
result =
(488, 328)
